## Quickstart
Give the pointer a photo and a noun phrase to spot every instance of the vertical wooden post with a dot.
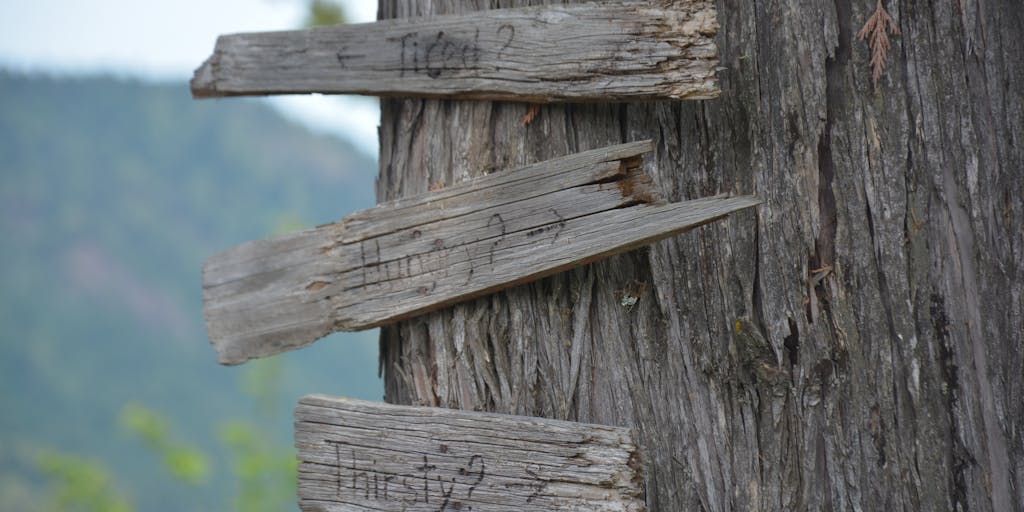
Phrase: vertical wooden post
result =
(858, 348)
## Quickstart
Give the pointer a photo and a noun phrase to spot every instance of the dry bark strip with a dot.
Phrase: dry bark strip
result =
(589, 52)
(366, 456)
(409, 256)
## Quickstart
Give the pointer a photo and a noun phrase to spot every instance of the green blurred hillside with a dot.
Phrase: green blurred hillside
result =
(112, 194)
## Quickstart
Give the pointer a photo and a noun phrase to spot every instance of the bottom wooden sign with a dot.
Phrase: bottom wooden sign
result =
(363, 456)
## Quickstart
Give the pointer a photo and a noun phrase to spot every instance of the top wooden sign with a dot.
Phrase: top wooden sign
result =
(591, 52)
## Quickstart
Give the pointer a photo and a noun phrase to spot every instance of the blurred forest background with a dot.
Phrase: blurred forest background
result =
(112, 194)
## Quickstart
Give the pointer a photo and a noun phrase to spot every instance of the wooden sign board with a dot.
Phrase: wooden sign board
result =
(356, 455)
(612, 51)
(422, 253)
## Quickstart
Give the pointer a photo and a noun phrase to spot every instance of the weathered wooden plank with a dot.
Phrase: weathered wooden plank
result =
(540, 178)
(359, 456)
(588, 52)
(407, 257)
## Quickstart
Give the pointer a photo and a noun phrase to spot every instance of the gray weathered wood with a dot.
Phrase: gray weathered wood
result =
(879, 363)
(418, 254)
(366, 456)
(591, 52)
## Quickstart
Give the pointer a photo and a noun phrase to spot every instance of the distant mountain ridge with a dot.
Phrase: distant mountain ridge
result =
(112, 194)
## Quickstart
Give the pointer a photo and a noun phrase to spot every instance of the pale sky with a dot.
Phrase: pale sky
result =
(167, 40)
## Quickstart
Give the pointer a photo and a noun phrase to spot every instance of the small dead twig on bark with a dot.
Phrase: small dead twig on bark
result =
(876, 31)
(530, 115)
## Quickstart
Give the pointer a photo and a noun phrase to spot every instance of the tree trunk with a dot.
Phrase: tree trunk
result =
(853, 344)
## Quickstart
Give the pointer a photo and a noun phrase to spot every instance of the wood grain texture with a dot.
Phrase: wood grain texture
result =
(410, 256)
(365, 456)
(592, 52)
(878, 290)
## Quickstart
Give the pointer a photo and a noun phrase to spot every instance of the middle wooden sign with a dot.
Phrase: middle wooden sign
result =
(422, 253)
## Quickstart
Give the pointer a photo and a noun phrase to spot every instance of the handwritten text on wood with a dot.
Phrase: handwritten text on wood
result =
(587, 52)
(418, 254)
(356, 455)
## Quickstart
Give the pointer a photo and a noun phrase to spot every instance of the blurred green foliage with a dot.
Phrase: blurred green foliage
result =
(186, 463)
(261, 380)
(80, 485)
(265, 474)
(324, 12)
(264, 471)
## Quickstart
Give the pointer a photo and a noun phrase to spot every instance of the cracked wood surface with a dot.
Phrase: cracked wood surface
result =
(366, 456)
(854, 343)
(590, 52)
(409, 256)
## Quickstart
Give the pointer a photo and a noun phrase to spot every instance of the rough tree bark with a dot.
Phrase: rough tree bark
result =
(855, 344)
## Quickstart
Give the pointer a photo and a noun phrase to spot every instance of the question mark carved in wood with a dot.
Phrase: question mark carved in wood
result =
(508, 42)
